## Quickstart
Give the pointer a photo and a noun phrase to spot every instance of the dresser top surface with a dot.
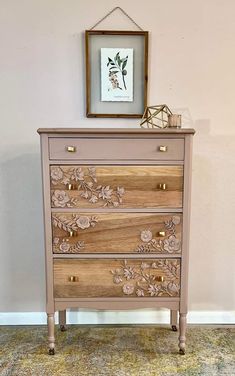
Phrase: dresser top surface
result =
(112, 131)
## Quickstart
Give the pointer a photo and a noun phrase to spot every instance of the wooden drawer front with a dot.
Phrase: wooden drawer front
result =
(116, 278)
(116, 186)
(118, 149)
(116, 233)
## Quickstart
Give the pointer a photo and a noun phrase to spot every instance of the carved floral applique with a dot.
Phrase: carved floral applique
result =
(66, 247)
(144, 282)
(75, 223)
(146, 236)
(86, 183)
(128, 289)
(56, 174)
(171, 244)
(60, 199)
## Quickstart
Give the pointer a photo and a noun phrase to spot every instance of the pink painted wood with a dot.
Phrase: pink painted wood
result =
(117, 147)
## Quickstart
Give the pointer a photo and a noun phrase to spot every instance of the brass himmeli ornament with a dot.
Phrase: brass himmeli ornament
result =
(155, 116)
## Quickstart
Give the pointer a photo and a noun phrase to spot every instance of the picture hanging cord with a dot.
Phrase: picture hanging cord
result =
(113, 10)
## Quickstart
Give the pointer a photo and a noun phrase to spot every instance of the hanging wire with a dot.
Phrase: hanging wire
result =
(113, 10)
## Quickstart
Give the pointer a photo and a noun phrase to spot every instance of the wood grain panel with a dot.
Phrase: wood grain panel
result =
(119, 186)
(117, 278)
(116, 233)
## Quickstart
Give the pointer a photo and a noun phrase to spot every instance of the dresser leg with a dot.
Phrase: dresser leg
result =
(174, 319)
(182, 333)
(62, 320)
(51, 332)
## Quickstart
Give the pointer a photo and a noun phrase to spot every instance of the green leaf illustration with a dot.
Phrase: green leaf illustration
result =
(124, 63)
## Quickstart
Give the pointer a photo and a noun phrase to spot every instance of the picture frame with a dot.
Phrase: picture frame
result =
(116, 73)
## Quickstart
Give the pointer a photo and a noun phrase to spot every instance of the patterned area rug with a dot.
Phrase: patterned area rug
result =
(135, 350)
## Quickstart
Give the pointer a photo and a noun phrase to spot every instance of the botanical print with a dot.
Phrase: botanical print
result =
(117, 74)
(142, 280)
(84, 181)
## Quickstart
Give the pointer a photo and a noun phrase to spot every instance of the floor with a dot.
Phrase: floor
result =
(131, 350)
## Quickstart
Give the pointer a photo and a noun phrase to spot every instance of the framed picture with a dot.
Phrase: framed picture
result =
(116, 73)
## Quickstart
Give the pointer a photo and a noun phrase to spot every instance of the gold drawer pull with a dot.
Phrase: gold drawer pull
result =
(71, 149)
(73, 278)
(161, 233)
(163, 148)
(71, 187)
(72, 233)
(160, 278)
(162, 186)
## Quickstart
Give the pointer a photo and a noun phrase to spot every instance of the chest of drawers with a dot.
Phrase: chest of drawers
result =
(116, 215)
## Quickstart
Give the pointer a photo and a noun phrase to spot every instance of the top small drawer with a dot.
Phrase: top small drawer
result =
(74, 148)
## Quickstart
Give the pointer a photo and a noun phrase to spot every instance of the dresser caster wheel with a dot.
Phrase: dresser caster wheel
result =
(51, 352)
(182, 351)
(174, 328)
(63, 328)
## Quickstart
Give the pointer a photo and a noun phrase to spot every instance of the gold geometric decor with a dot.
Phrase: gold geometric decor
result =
(155, 116)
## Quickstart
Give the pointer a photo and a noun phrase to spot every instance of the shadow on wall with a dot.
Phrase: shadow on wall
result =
(22, 279)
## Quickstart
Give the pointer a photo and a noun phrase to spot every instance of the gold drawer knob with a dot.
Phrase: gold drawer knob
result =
(73, 278)
(71, 187)
(71, 149)
(161, 233)
(162, 186)
(163, 148)
(160, 278)
(72, 233)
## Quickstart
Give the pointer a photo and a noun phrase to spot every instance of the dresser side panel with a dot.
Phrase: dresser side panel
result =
(186, 223)
(47, 224)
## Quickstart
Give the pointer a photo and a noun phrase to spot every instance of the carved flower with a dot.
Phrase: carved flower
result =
(173, 288)
(146, 236)
(56, 174)
(105, 193)
(176, 219)
(117, 279)
(153, 290)
(83, 222)
(60, 198)
(140, 292)
(128, 289)
(78, 174)
(172, 244)
(93, 199)
(64, 247)
(56, 241)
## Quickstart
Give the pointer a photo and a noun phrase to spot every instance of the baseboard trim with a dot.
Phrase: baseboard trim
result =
(118, 317)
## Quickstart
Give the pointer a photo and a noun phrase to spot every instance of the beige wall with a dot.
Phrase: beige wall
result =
(192, 59)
